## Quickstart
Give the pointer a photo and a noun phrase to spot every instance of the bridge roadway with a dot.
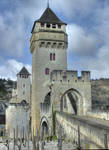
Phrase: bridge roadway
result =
(103, 124)
(93, 131)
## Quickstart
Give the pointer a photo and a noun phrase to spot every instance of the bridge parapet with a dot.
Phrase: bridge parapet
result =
(94, 133)
(70, 76)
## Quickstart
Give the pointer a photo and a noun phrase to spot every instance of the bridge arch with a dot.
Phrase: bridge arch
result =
(71, 101)
(75, 96)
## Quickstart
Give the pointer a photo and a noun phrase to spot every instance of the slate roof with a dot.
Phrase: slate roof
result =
(24, 71)
(49, 17)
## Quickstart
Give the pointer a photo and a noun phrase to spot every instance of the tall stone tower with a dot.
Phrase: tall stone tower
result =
(48, 48)
(23, 86)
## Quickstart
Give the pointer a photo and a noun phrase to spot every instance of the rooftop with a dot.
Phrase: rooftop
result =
(49, 17)
(24, 71)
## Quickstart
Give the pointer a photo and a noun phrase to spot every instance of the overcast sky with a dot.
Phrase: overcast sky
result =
(88, 34)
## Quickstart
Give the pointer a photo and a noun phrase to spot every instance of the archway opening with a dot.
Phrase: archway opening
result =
(44, 129)
(47, 99)
(23, 102)
(71, 102)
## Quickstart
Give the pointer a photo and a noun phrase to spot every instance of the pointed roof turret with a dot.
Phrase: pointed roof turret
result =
(49, 17)
(24, 71)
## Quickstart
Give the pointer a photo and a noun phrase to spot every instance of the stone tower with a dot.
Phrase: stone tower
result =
(48, 48)
(23, 86)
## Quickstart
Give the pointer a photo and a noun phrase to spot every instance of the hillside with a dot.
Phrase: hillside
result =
(6, 89)
(100, 93)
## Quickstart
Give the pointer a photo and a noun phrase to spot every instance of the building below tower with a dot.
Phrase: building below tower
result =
(18, 111)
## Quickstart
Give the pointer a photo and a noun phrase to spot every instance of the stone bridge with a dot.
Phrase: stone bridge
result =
(68, 93)
(70, 97)
(94, 133)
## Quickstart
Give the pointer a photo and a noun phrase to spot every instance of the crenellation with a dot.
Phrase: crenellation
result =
(70, 76)
(85, 75)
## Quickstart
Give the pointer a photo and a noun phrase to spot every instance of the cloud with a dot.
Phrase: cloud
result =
(81, 42)
(11, 68)
(11, 35)
(88, 35)
(99, 65)
(93, 44)
(16, 22)
(70, 8)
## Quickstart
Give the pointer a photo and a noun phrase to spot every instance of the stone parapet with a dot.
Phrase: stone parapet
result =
(99, 114)
(69, 76)
(94, 133)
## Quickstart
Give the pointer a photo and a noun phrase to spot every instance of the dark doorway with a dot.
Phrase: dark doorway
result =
(44, 129)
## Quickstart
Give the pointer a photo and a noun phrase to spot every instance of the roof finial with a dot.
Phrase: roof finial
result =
(48, 4)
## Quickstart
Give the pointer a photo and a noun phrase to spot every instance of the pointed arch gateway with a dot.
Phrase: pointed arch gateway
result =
(68, 100)
(71, 102)
(44, 127)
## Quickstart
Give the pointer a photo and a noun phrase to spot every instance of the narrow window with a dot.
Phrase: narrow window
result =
(23, 85)
(47, 71)
(53, 25)
(48, 25)
(53, 56)
(42, 24)
(59, 26)
(23, 92)
(50, 56)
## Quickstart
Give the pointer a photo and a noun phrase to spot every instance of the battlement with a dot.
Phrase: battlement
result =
(69, 76)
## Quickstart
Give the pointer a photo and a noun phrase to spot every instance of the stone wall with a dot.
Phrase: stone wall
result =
(63, 81)
(70, 76)
(45, 41)
(99, 114)
(93, 134)
(23, 89)
(17, 118)
(46, 116)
